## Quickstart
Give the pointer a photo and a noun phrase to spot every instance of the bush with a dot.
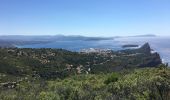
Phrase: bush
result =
(112, 78)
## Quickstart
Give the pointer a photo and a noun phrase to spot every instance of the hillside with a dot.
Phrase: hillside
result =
(58, 63)
(56, 74)
(138, 84)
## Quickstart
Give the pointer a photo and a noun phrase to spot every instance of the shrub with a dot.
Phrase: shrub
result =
(112, 78)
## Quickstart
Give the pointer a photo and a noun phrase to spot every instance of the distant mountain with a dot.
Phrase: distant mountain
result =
(79, 37)
(50, 38)
(11, 40)
(146, 35)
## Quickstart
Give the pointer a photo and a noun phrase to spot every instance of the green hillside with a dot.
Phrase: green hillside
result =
(57, 74)
(138, 84)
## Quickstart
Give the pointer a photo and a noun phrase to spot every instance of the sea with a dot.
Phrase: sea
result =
(158, 44)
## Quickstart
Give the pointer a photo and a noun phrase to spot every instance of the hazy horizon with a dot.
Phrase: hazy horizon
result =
(85, 17)
(80, 35)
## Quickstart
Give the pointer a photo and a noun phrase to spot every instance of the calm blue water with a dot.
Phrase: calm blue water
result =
(77, 45)
(159, 44)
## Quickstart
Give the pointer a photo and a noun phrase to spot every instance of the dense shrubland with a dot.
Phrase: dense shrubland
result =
(144, 84)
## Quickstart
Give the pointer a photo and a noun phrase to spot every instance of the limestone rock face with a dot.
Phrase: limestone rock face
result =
(146, 48)
(153, 59)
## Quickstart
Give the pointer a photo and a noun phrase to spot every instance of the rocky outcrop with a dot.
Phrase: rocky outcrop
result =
(141, 57)
(152, 61)
(146, 49)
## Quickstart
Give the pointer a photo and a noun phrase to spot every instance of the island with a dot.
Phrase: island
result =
(130, 46)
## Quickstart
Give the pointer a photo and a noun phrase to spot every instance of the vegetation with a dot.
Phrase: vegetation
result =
(112, 78)
(59, 63)
(56, 74)
(144, 84)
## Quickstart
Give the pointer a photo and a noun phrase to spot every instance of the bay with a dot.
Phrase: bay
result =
(159, 44)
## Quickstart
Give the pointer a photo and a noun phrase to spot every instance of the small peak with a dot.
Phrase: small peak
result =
(146, 48)
(146, 45)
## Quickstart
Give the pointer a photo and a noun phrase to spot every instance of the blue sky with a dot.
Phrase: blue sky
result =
(85, 17)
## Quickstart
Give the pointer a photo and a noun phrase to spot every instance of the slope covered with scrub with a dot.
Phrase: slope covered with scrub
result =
(57, 74)
(139, 84)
